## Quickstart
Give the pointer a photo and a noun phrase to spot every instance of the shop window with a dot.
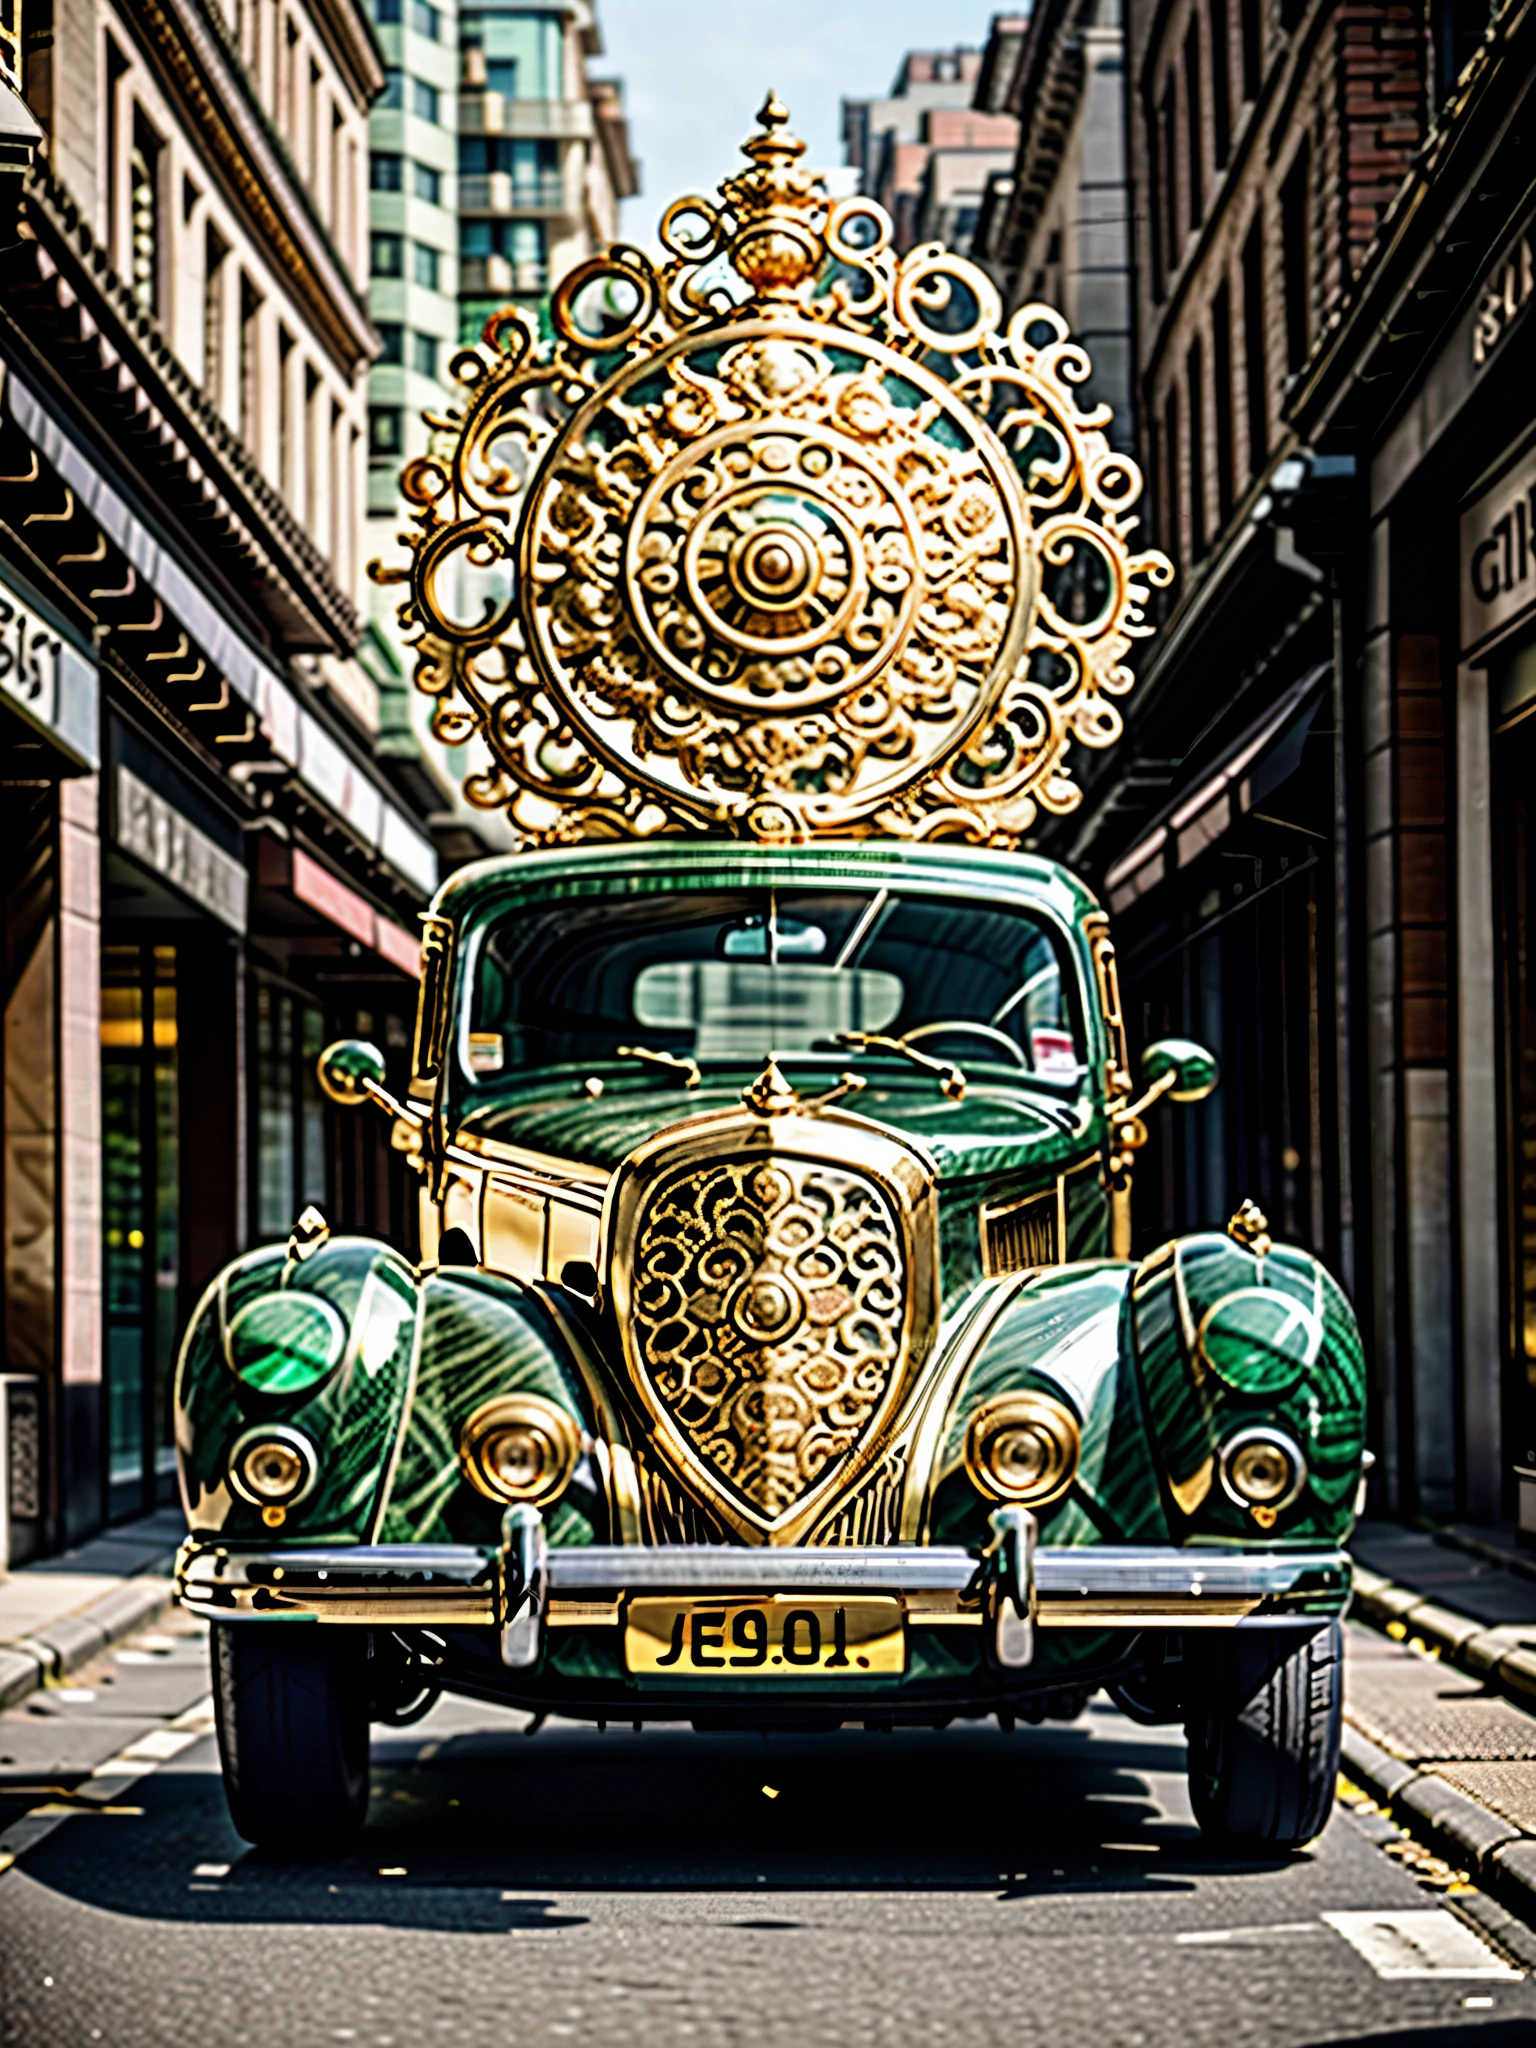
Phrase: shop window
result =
(289, 1139)
(386, 171)
(140, 1217)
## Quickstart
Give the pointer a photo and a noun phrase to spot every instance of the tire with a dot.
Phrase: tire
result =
(1263, 1718)
(291, 1705)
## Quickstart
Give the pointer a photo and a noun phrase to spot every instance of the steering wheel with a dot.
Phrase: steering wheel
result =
(989, 1032)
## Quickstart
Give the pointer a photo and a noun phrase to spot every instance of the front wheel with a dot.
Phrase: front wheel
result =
(1264, 1713)
(291, 1704)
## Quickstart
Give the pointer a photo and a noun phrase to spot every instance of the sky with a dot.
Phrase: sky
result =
(695, 73)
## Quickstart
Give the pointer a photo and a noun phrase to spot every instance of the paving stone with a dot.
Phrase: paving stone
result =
(1424, 1710)
(1507, 1787)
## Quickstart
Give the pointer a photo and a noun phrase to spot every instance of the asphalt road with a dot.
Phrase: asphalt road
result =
(959, 1888)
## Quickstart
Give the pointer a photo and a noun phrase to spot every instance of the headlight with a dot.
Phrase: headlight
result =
(1023, 1447)
(519, 1447)
(285, 1343)
(1262, 1470)
(273, 1468)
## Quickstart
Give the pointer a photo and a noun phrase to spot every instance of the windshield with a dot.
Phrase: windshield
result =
(726, 977)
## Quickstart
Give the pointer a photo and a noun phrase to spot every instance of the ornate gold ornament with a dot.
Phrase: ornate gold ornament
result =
(778, 1302)
(779, 537)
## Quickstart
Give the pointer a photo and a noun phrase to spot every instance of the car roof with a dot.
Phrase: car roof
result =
(643, 867)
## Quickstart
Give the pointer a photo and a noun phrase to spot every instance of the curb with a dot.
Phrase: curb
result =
(1488, 1847)
(31, 1662)
(1503, 1658)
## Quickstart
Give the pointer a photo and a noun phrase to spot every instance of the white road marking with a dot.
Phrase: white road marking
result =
(1426, 1943)
(1203, 1935)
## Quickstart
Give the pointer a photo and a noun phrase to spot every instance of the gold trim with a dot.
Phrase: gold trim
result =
(993, 1222)
(1047, 1419)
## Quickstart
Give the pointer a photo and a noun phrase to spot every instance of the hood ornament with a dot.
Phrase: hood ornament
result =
(777, 537)
(771, 1095)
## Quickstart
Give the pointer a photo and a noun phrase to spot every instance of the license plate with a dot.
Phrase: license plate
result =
(776, 1636)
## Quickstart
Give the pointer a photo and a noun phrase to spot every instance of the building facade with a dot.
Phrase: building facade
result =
(1054, 225)
(924, 152)
(206, 875)
(499, 163)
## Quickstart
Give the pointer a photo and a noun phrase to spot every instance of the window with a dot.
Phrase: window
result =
(424, 349)
(1167, 203)
(144, 215)
(1168, 496)
(1252, 25)
(425, 20)
(394, 89)
(1221, 392)
(424, 100)
(250, 365)
(287, 445)
(313, 470)
(391, 342)
(1193, 126)
(1221, 72)
(386, 255)
(116, 65)
(215, 250)
(386, 173)
(425, 265)
(1253, 346)
(1296, 257)
(428, 184)
(1194, 380)
(387, 13)
(386, 432)
(533, 166)
(501, 76)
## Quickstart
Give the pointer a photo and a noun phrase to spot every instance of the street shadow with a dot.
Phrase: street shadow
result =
(468, 1832)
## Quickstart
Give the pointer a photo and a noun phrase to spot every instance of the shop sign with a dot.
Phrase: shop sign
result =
(1506, 292)
(157, 834)
(45, 678)
(1498, 555)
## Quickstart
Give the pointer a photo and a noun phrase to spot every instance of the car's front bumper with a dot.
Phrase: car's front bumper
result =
(523, 1587)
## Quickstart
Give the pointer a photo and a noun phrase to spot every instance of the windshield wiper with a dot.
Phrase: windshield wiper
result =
(690, 1068)
(951, 1078)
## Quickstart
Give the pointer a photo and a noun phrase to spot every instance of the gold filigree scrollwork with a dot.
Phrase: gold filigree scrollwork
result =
(779, 536)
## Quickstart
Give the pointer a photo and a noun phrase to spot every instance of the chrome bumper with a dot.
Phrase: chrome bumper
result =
(522, 1588)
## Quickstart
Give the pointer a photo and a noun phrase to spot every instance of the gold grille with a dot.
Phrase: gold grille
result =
(1025, 1234)
(769, 1313)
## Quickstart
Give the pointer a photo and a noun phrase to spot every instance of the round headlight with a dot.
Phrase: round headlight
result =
(1024, 1448)
(1262, 1470)
(272, 1467)
(519, 1447)
(286, 1342)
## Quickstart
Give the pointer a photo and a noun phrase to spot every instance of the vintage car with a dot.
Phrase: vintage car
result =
(774, 1357)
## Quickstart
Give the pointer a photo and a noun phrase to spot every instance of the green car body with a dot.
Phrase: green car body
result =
(371, 1370)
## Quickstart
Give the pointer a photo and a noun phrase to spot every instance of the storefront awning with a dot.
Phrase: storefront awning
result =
(1257, 761)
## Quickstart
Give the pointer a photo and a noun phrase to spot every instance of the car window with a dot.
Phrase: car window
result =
(729, 976)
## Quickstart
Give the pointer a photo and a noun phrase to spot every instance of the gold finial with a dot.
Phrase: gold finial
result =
(779, 209)
(308, 1234)
(770, 1094)
(1250, 1228)
(772, 113)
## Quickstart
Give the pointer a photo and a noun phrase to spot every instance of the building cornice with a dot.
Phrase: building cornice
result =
(193, 49)
(84, 324)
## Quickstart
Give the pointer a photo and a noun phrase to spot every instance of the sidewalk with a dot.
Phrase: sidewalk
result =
(1436, 1706)
(57, 1615)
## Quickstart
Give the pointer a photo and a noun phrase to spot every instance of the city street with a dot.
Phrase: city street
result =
(613, 1887)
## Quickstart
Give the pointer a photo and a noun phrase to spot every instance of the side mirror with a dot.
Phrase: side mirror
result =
(351, 1071)
(1186, 1071)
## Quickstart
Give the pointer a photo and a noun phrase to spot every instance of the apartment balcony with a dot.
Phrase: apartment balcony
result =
(497, 277)
(492, 113)
(501, 192)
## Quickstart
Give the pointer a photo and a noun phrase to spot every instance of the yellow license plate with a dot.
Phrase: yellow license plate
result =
(775, 1636)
